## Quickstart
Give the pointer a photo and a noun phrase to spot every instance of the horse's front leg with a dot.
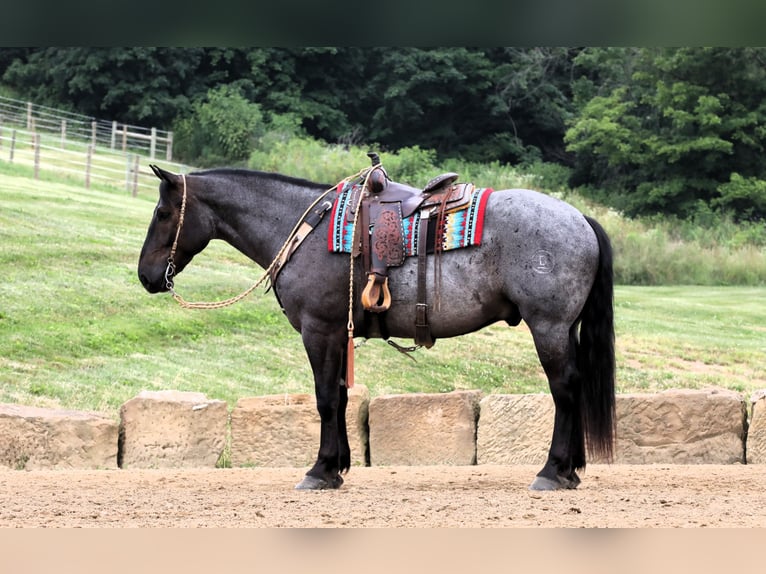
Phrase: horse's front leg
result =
(326, 356)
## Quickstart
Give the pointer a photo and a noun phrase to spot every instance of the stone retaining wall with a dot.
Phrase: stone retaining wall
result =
(756, 435)
(33, 438)
(681, 427)
(424, 429)
(177, 429)
(283, 430)
(171, 429)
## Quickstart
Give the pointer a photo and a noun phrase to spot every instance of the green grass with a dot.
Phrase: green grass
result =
(77, 330)
(690, 337)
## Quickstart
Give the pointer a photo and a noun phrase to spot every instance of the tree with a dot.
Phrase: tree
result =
(673, 128)
(432, 98)
(532, 88)
(479, 104)
(134, 85)
(222, 128)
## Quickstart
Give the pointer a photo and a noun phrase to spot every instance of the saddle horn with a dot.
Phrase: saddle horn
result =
(378, 178)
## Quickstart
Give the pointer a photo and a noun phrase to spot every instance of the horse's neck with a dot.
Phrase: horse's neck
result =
(255, 214)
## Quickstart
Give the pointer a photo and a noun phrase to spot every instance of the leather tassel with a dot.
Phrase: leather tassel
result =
(350, 361)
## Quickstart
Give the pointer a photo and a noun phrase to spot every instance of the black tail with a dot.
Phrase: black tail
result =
(595, 354)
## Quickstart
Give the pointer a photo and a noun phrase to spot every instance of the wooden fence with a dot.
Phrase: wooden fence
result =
(88, 162)
(69, 126)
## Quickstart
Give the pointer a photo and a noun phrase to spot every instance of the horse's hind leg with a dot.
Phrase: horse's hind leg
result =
(556, 346)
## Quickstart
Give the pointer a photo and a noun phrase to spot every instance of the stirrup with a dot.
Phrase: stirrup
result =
(374, 291)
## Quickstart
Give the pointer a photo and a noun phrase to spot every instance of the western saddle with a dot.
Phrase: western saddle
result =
(380, 240)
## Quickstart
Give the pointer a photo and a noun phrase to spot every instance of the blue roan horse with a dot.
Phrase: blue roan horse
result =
(539, 260)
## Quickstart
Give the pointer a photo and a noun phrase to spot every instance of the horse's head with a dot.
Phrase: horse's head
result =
(190, 233)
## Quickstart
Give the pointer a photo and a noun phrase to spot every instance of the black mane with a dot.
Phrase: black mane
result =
(244, 172)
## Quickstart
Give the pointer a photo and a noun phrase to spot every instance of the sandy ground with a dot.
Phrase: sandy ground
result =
(387, 497)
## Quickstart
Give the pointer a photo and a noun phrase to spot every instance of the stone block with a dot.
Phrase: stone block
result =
(681, 427)
(514, 429)
(33, 438)
(676, 427)
(284, 430)
(756, 434)
(172, 429)
(424, 429)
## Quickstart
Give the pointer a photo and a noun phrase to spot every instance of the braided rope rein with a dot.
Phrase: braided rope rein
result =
(350, 345)
(171, 268)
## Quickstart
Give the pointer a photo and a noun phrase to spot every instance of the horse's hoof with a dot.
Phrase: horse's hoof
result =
(573, 481)
(314, 483)
(544, 483)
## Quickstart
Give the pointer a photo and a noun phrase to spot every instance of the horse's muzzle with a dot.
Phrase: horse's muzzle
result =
(158, 286)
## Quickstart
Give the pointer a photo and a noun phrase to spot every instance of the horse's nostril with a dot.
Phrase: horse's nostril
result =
(144, 279)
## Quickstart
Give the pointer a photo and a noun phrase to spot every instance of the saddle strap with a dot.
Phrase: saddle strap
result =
(311, 220)
(422, 329)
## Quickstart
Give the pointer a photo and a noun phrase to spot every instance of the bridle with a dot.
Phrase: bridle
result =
(170, 270)
(294, 239)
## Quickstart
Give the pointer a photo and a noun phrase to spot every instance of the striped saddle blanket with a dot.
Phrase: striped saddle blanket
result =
(460, 228)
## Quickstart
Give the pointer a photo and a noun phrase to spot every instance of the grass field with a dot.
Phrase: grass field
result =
(77, 330)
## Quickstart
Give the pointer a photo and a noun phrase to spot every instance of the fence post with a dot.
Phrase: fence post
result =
(114, 132)
(153, 143)
(1, 131)
(88, 160)
(93, 132)
(124, 138)
(13, 145)
(128, 166)
(169, 148)
(29, 116)
(63, 133)
(135, 175)
(36, 145)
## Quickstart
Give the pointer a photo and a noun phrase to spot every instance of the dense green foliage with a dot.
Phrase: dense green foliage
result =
(674, 131)
(221, 128)
(488, 104)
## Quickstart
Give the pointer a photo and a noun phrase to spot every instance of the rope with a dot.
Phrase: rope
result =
(350, 326)
(170, 271)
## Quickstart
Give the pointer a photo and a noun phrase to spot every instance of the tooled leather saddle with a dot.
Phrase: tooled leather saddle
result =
(383, 207)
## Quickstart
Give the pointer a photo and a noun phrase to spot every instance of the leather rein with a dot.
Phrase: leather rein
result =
(294, 239)
(170, 270)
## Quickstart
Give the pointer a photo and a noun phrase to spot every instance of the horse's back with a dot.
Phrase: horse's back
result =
(535, 215)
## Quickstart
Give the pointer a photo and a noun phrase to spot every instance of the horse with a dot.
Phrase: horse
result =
(540, 260)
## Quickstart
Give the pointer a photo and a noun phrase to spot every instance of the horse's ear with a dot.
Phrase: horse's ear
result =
(164, 175)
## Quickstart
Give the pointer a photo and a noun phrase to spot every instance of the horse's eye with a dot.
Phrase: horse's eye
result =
(163, 215)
